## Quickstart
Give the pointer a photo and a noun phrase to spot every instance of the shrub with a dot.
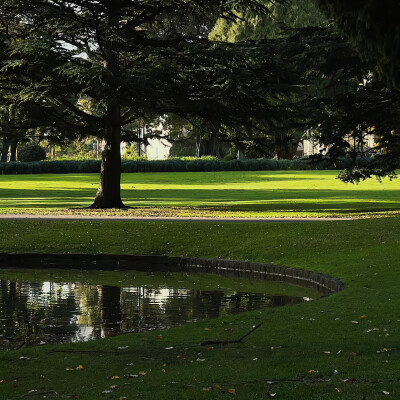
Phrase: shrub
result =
(31, 152)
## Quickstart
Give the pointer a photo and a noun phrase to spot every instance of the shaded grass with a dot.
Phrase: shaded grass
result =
(220, 194)
(290, 345)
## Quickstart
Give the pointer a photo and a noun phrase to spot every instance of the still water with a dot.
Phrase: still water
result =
(56, 312)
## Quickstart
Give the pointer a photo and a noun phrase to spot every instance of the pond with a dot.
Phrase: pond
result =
(67, 306)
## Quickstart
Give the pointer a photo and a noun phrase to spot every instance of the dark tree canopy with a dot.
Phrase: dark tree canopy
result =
(373, 27)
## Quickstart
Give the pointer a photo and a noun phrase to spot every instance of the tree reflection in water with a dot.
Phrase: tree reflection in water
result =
(54, 312)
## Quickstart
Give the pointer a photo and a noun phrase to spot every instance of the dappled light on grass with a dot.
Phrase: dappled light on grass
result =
(213, 194)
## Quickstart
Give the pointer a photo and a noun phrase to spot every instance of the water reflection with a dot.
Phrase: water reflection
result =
(50, 312)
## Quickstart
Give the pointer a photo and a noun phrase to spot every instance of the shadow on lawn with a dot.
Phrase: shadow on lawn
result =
(293, 200)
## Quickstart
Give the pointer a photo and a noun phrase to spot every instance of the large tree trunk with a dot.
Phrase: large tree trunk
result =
(109, 190)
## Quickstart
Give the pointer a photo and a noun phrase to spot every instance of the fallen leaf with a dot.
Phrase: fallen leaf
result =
(206, 329)
(353, 354)
(218, 387)
(179, 356)
(363, 316)
(2, 382)
(114, 377)
(207, 389)
(163, 370)
(79, 367)
(69, 369)
(232, 391)
(114, 387)
(338, 390)
(327, 352)
(312, 371)
(143, 373)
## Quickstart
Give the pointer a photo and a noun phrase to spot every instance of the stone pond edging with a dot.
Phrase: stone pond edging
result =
(154, 263)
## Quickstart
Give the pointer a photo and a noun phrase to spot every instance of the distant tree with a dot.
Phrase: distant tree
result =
(32, 152)
(284, 20)
(280, 22)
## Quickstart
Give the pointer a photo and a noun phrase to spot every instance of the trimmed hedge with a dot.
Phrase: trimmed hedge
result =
(173, 165)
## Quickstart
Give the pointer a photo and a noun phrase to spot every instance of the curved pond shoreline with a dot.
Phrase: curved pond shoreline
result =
(325, 284)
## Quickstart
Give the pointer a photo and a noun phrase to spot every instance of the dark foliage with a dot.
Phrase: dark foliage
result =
(31, 152)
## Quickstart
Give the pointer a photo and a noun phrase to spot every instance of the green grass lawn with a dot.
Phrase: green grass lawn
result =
(343, 346)
(229, 194)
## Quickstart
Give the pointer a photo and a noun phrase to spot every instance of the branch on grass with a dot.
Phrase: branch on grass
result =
(84, 351)
(230, 341)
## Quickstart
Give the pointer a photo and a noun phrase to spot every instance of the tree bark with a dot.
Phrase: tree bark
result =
(109, 190)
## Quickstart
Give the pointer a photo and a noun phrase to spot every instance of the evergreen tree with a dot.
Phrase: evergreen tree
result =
(372, 26)
(134, 59)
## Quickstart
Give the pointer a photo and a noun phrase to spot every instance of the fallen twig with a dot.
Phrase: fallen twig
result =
(84, 351)
(209, 342)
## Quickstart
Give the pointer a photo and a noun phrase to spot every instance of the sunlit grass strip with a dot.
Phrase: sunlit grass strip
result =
(214, 194)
